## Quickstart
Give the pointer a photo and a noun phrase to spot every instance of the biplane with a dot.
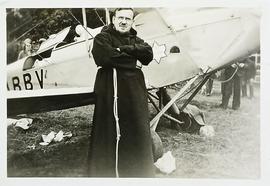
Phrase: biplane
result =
(188, 43)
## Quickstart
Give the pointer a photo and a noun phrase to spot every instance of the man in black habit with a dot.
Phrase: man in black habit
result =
(120, 142)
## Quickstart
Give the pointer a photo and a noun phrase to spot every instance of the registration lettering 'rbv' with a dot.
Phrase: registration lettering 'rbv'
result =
(27, 81)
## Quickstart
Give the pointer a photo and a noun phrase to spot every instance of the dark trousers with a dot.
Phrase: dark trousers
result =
(232, 86)
(209, 86)
(247, 83)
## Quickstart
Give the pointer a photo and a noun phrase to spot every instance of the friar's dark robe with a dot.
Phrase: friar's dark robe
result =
(121, 51)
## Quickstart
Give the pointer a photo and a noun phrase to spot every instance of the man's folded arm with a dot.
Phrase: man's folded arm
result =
(107, 56)
(140, 50)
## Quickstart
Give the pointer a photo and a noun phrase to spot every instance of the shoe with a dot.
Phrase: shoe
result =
(235, 108)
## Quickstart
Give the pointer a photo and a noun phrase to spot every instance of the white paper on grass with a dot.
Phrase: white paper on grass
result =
(47, 138)
(207, 131)
(59, 136)
(23, 123)
(166, 164)
(11, 121)
(53, 136)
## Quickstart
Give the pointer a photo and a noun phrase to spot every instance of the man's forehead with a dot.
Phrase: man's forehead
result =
(125, 13)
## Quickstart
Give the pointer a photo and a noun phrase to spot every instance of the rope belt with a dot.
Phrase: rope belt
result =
(229, 79)
(115, 113)
(138, 65)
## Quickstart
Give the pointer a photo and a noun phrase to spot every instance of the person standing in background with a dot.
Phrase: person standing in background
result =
(248, 78)
(232, 85)
(27, 49)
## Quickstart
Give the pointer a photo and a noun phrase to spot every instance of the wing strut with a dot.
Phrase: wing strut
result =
(195, 92)
(165, 115)
(155, 120)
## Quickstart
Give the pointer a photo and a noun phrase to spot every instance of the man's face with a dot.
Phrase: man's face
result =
(123, 20)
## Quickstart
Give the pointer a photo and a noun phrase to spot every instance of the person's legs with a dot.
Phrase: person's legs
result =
(226, 94)
(251, 89)
(226, 87)
(236, 92)
(209, 86)
(244, 87)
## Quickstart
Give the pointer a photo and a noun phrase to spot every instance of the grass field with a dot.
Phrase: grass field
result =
(234, 151)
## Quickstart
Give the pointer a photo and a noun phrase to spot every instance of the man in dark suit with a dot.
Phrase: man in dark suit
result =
(232, 76)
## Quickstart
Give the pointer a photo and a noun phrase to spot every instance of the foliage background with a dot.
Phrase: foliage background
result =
(36, 23)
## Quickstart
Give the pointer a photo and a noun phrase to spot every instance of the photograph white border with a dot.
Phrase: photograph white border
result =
(265, 93)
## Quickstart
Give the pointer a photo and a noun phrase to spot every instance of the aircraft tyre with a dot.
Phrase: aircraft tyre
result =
(157, 146)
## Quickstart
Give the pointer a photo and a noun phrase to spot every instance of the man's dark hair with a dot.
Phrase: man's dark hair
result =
(118, 9)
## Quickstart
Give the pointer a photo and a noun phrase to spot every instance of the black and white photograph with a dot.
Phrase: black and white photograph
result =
(127, 90)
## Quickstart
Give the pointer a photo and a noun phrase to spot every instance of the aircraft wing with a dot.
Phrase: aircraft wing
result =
(42, 100)
(208, 39)
(185, 42)
(213, 37)
(53, 40)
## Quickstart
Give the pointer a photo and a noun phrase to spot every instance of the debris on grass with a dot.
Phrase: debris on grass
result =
(23, 123)
(60, 136)
(53, 136)
(32, 147)
(11, 121)
(47, 139)
(166, 164)
(207, 131)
